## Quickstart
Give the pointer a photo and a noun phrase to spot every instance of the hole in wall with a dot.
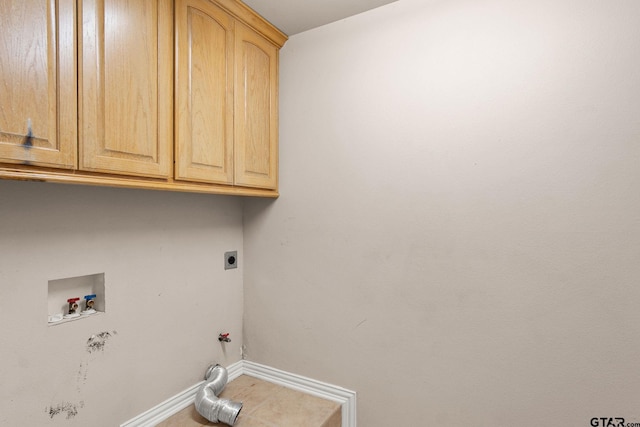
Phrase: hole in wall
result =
(79, 290)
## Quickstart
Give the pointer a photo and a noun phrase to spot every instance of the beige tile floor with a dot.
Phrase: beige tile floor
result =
(266, 405)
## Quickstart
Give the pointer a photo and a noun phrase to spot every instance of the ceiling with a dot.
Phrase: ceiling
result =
(296, 16)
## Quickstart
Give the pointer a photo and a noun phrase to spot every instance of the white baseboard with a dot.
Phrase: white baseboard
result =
(171, 406)
(177, 403)
(344, 397)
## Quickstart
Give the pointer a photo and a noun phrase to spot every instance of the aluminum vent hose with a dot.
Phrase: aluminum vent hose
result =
(209, 405)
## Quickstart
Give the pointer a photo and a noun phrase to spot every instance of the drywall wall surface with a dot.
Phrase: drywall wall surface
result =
(458, 231)
(167, 296)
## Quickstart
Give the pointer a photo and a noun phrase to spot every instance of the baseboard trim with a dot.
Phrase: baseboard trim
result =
(346, 398)
(177, 403)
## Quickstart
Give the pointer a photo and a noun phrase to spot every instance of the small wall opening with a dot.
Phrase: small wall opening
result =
(62, 290)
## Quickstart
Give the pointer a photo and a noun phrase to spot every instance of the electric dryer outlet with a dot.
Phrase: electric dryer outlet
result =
(230, 260)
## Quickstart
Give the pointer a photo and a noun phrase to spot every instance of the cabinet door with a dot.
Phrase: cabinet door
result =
(256, 110)
(126, 86)
(38, 83)
(204, 93)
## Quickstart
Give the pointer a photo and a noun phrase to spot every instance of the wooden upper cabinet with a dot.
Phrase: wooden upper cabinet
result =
(256, 110)
(87, 93)
(204, 93)
(38, 83)
(226, 99)
(125, 86)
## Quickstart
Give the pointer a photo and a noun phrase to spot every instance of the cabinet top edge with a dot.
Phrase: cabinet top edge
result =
(250, 17)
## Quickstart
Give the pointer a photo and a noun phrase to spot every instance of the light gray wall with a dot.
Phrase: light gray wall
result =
(167, 298)
(459, 228)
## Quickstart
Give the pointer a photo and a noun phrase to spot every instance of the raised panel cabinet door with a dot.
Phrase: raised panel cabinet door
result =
(204, 93)
(38, 99)
(256, 110)
(126, 123)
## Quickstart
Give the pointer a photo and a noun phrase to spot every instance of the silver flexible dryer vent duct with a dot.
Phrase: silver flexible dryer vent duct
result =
(207, 402)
